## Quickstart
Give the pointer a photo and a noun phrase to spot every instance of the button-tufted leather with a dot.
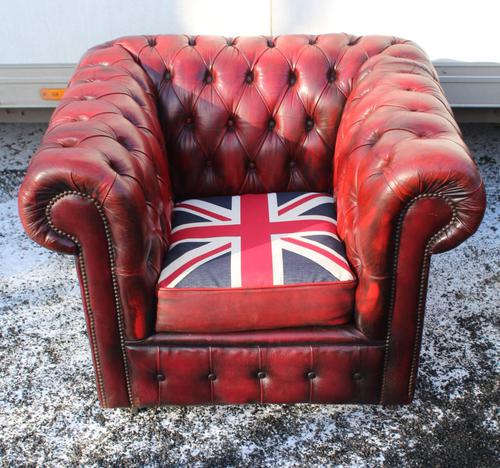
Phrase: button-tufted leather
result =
(217, 79)
(286, 379)
(399, 155)
(145, 121)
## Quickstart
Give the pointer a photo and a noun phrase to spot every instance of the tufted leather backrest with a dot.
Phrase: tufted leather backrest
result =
(251, 114)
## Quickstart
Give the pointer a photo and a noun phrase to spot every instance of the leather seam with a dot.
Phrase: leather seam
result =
(116, 292)
(421, 292)
(345, 283)
(245, 344)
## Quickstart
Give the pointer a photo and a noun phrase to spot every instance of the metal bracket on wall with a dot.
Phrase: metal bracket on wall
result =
(468, 84)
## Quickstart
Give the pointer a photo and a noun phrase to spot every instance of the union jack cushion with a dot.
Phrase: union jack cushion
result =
(253, 241)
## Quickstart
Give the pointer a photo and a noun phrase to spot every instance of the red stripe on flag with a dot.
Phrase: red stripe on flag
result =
(203, 211)
(191, 262)
(299, 202)
(256, 253)
(319, 250)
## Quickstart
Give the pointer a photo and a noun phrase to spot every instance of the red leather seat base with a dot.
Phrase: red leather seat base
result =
(182, 375)
(255, 262)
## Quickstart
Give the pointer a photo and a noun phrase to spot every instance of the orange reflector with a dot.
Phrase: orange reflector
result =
(52, 94)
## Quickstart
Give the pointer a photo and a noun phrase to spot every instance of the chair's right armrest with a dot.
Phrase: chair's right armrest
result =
(398, 145)
(406, 187)
(101, 174)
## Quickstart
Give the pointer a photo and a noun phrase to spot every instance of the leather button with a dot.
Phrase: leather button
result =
(311, 375)
(249, 77)
(271, 124)
(209, 163)
(192, 41)
(291, 163)
(261, 375)
(208, 77)
(122, 141)
(68, 142)
(251, 165)
(136, 99)
(270, 43)
(332, 75)
(292, 78)
(230, 123)
(356, 376)
(309, 123)
(313, 41)
(189, 120)
(151, 42)
(168, 76)
(211, 376)
(160, 377)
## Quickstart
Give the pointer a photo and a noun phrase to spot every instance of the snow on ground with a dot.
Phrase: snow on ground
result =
(48, 406)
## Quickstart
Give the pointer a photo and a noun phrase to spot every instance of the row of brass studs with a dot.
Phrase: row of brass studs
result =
(116, 292)
(421, 292)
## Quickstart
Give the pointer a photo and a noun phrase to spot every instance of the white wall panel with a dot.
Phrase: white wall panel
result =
(60, 31)
(446, 29)
(38, 34)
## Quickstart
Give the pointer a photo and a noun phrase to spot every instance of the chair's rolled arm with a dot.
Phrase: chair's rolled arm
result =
(397, 143)
(104, 143)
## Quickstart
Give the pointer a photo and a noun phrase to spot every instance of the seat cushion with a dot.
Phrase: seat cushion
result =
(254, 262)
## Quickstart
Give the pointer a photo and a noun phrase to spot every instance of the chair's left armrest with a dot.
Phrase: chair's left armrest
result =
(104, 149)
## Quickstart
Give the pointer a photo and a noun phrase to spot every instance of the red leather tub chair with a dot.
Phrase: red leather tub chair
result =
(253, 218)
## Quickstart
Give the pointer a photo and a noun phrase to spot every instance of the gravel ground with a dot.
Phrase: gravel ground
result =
(49, 413)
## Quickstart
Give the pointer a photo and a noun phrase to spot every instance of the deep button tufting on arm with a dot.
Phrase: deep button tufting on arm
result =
(398, 143)
(109, 148)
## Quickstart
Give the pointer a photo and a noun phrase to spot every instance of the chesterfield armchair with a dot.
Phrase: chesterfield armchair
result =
(253, 218)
